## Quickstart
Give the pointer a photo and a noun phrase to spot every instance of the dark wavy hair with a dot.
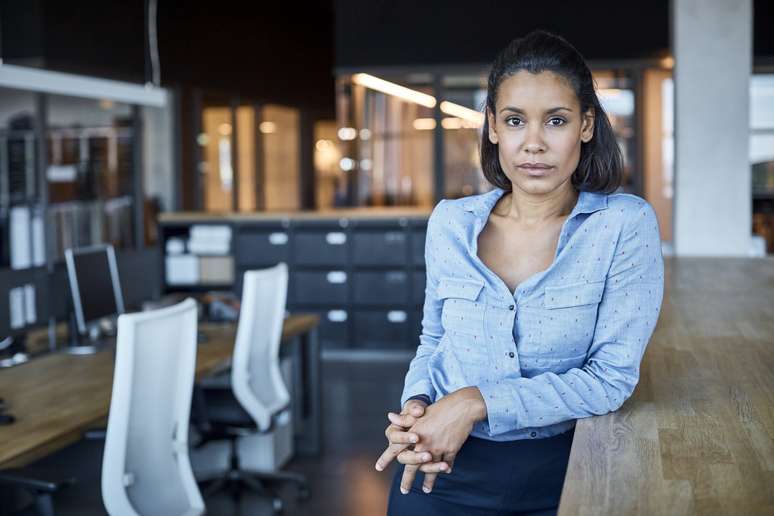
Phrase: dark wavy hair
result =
(600, 168)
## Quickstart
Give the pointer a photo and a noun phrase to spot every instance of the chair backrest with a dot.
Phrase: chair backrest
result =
(255, 371)
(145, 467)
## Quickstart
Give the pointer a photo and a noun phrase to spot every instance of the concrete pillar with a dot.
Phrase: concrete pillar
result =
(712, 47)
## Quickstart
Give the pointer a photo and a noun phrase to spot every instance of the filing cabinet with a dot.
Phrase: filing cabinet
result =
(385, 247)
(321, 287)
(364, 276)
(382, 329)
(257, 247)
(324, 246)
(381, 288)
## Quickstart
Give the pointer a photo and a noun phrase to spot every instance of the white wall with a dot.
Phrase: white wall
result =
(712, 45)
(158, 152)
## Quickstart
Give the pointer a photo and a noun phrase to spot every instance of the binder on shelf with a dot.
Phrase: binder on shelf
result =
(182, 269)
(21, 248)
(216, 270)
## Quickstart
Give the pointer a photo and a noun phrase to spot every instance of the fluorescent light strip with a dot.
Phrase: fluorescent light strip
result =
(417, 97)
(396, 90)
(474, 117)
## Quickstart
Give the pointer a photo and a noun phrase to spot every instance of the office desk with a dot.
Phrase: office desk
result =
(697, 436)
(57, 397)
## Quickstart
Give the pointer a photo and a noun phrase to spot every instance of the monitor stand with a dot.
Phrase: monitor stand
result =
(84, 344)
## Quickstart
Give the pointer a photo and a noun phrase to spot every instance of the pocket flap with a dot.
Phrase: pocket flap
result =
(464, 289)
(576, 294)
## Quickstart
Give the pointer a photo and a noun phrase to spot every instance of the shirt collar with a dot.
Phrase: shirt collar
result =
(588, 202)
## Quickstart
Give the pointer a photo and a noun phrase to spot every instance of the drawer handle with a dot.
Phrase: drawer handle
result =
(394, 236)
(336, 277)
(396, 316)
(337, 315)
(278, 238)
(336, 238)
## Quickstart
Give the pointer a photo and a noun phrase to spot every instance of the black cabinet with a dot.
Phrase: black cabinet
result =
(321, 246)
(364, 276)
(382, 329)
(321, 287)
(386, 247)
(261, 247)
(381, 288)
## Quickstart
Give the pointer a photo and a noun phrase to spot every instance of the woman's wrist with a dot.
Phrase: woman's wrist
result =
(474, 403)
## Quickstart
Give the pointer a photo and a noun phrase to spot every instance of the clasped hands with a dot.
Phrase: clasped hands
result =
(427, 438)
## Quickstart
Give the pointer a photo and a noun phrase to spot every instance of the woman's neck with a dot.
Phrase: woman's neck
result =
(536, 210)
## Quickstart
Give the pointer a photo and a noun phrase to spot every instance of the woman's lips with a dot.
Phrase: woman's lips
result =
(535, 170)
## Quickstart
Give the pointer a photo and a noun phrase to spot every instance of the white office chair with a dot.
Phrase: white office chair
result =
(256, 397)
(145, 468)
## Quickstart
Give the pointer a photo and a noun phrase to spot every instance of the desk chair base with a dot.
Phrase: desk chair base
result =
(40, 486)
(235, 480)
(83, 349)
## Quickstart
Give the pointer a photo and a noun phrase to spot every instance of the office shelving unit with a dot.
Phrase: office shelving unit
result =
(364, 276)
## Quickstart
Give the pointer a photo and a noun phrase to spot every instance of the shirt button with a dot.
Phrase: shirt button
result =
(511, 354)
(510, 307)
(533, 434)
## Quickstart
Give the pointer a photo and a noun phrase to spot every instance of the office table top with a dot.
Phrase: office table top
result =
(697, 435)
(57, 397)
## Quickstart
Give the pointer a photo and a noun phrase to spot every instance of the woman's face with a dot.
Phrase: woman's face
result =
(538, 129)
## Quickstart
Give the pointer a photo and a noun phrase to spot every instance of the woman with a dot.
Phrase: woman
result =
(541, 298)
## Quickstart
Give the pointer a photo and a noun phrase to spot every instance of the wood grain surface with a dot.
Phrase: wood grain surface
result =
(697, 435)
(56, 397)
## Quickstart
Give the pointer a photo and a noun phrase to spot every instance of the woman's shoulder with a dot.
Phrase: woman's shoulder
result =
(629, 212)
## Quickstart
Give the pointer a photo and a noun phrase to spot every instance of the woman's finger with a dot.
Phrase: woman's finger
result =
(404, 420)
(433, 467)
(409, 472)
(415, 408)
(388, 455)
(448, 458)
(414, 458)
(397, 435)
(429, 482)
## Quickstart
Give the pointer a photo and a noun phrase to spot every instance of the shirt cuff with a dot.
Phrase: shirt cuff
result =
(421, 387)
(500, 412)
(421, 397)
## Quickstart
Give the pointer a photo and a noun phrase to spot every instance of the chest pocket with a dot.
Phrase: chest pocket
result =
(462, 317)
(577, 294)
(563, 329)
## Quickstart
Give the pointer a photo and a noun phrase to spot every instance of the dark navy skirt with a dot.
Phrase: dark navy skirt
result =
(523, 477)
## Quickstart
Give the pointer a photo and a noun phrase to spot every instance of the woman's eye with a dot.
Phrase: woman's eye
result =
(513, 121)
(556, 121)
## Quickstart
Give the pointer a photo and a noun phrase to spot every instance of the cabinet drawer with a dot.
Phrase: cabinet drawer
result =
(382, 329)
(261, 247)
(320, 288)
(334, 328)
(314, 247)
(418, 247)
(386, 247)
(381, 288)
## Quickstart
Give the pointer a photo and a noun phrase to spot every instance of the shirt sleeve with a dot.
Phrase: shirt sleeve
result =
(418, 377)
(626, 318)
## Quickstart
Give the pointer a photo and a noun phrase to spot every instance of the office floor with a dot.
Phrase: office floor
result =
(356, 398)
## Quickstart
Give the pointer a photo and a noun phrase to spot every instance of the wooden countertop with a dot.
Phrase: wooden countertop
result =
(343, 213)
(56, 397)
(697, 435)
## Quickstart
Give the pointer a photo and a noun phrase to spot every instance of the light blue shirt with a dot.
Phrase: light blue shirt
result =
(567, 343)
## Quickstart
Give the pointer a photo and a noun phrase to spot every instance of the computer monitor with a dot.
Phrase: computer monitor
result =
(94, 285)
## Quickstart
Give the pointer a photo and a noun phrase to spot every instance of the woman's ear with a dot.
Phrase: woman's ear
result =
(587, 126)
(491, 123)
